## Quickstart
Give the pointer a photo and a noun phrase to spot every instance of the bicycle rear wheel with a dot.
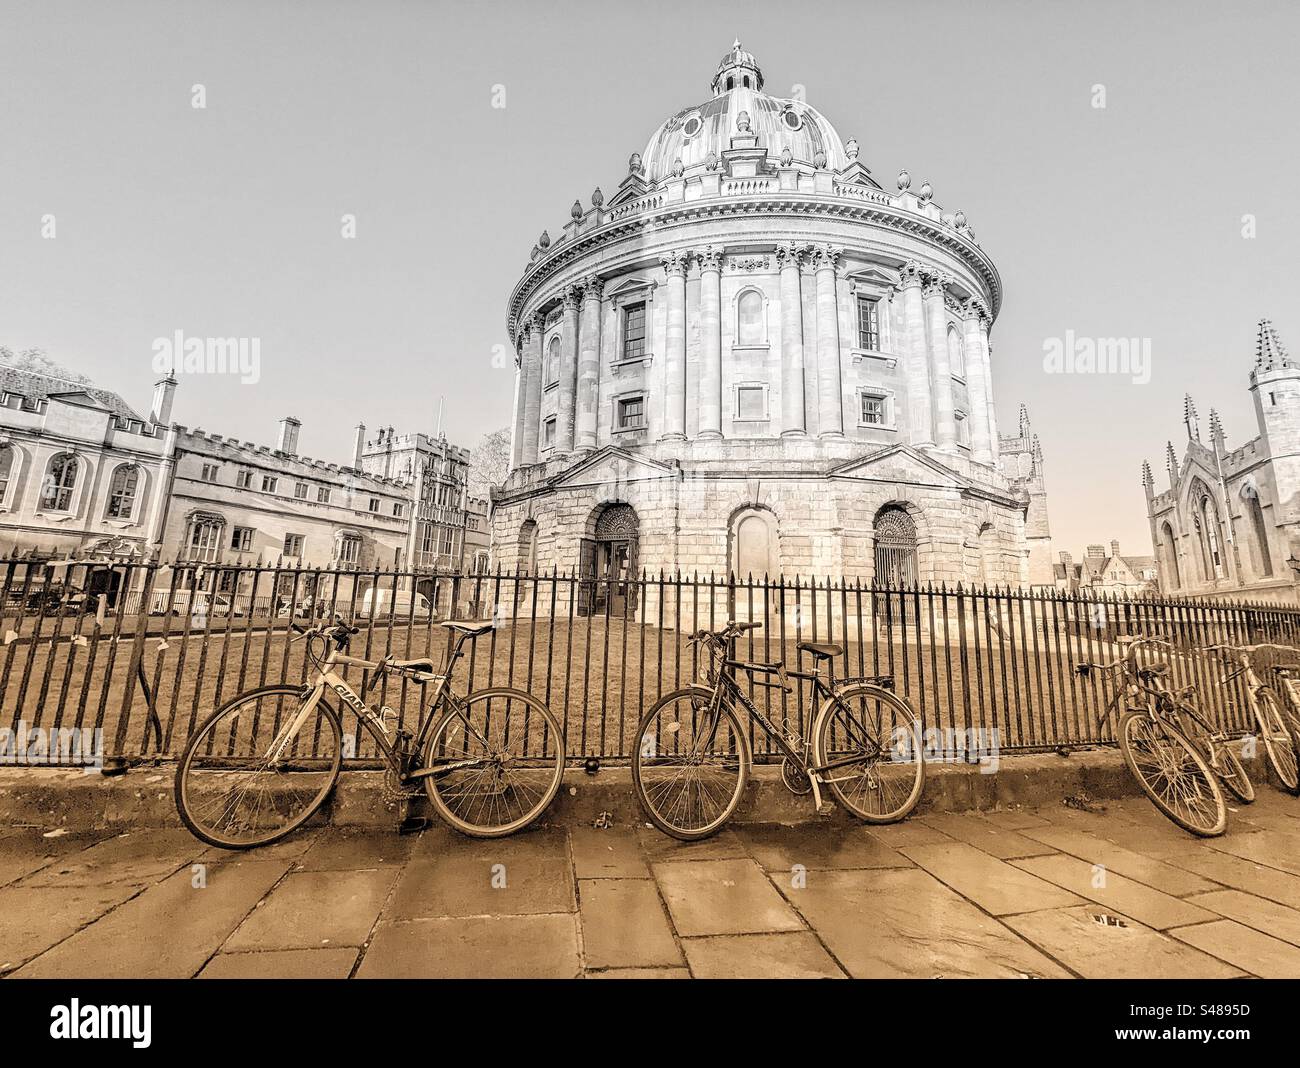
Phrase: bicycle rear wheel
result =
(689, 769)
(1173, 774)
(870, 742)
(502, 752)
(231, 793)
(1278, 731)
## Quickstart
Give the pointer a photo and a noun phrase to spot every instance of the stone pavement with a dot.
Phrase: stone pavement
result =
(1020, 893)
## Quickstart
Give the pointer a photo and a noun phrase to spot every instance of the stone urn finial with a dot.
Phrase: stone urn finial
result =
(959, 220)
(711, 162)
(904, 181)
(819, 159)
(787, 157)
(544, 241)
(851, 149)
(634, 163)
(597, 197)
(927, 190)
(678, 168)
(742, 122)
(576, 210)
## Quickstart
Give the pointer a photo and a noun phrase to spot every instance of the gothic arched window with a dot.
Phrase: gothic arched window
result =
(1250, 496)
(1170, 545)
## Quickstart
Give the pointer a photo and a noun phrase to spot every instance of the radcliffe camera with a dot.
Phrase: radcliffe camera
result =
(491, 491)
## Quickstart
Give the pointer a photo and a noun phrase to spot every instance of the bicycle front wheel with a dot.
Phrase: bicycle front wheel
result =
(870, 746)
(257, 769)
(1173, 774)
(501, 758)
(690, 765)
(1233, 774)
(1280, 744)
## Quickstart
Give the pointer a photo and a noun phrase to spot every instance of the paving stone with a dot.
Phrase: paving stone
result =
(1252, 952)
(903, 923)
(1143, 869)
(1119, 894)
(779, 848)
(311, 909)
(458, 878)
(1244, 875)
(614, 853)
(34, 919)
(1102, 951)
(641, 973)
(134, 859)
(1270, 848)
(992, 884)
(28, 850)
(337, 850)
(623, 924)
(295, 845)
(770, 956)
(475, 947)
(710, 897)
(1000, 842)
(282, 964)
(725, 845)
(1015, 819)
(908, 832)
(1266, 916)
(129, 943)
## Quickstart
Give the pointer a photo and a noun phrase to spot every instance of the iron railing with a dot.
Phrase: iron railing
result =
(142, 651)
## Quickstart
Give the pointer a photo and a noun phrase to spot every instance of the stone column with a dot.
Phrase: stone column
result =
(981, 450)
(830, 397)
(918, 362)
(532, 369)
(986, 356)
(945, 423)
(794, 421)
(710, 342)
(564, 422)
(675, 362)
(589, 366)
(517, 423)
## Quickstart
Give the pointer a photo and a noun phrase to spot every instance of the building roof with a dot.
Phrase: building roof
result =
(37, 386)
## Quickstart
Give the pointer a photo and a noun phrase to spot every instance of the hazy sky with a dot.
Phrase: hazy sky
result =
(1117, 222)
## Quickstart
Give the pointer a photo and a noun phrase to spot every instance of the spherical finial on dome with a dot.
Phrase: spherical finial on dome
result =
(851, 148)
(576, 210)
(634, 163)
(597, 197)
(742, 122)
(904, 180)
(926, 190)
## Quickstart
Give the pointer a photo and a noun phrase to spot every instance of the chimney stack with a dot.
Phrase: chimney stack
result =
(1096, 552)
(288, 443)
(359, 446)
(160, 412)
(1066, 559)
(1114, 547)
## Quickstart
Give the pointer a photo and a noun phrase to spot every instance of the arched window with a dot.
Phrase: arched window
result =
(754, 544)
(204, 541)
(528, 546)
(1207, 529)
(956, 355)
(1264, 557)
(6, 471)
(749, 318)
(895, 547)
(122, 491)
(60, 482)
(553, 361)
(1170, 545)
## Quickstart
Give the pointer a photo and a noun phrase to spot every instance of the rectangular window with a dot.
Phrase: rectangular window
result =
(873, 410)
(374, 504)
(349, 550)
(634, 331)
(241, 539)
(293, 544)
(397, 510)
(269, 483)
(322, 495)
(751, 402)
(631, 413)
(448, 539)
(548, 433)
(868, 323)
(963, 428)
(244, 480)
(209, 472)
(300, 491)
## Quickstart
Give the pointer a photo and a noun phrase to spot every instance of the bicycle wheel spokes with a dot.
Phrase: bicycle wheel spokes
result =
(503, 759)
(1175, 778)
(232, 794)
(872, 748)
(1277, 738)
(690, 765)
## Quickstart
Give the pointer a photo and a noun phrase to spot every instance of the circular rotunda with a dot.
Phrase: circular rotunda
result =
(761, 361)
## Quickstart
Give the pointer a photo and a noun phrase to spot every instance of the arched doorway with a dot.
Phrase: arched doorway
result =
(895, 547)
(1174, 577)
(608, 562)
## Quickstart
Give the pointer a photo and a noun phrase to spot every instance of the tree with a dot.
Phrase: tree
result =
(489, 462)
(36, 362)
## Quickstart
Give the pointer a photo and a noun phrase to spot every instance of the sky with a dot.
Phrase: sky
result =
(1122, 221)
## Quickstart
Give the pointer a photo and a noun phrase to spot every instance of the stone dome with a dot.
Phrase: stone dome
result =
(695, 132)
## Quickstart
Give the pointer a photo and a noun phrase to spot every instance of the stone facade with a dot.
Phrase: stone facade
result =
(754, 359)
(1230, 521)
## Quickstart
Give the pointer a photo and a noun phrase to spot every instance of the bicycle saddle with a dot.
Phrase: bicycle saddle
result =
(472, 629)
(821, 650)
(1153, 671)
(422, 663)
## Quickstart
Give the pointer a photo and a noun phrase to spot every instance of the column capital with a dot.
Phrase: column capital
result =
(935, 282)
(675, 263)
(592, 287)
(710, 258)
(975, 308)
(910, 275)
(570, 296)
(789, 254)
(826, 257)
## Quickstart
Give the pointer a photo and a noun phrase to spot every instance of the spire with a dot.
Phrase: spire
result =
(1270, 354)
(1190, 419)
(1216, 429)
(1024, 421)
(737, 70)
(1171, 464)
(1148, 480)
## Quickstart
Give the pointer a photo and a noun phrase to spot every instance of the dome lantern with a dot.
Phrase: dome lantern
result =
(737, 70)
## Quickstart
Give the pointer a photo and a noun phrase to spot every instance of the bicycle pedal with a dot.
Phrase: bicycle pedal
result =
(826, 808)
(413, 825)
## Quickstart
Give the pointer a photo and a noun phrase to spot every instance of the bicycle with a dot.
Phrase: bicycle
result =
(490, 762)
(692, 758)
(1271, 705)
(1181, 761)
